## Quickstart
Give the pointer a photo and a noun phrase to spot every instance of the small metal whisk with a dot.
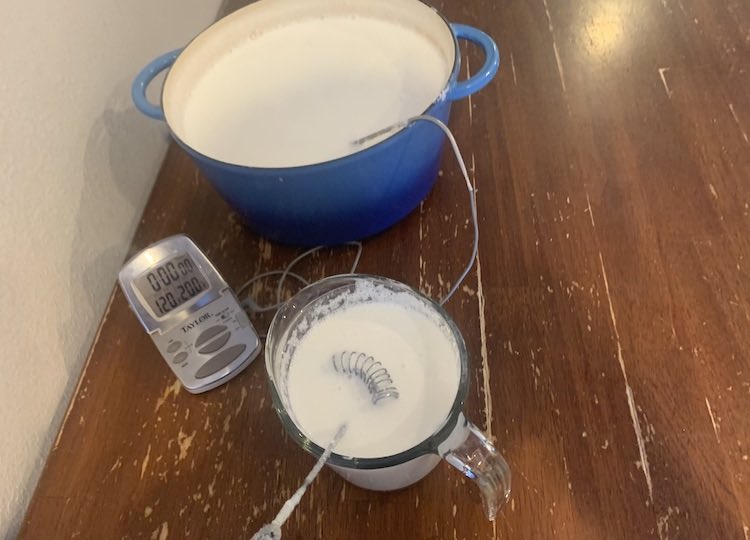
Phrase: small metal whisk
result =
(370, 371)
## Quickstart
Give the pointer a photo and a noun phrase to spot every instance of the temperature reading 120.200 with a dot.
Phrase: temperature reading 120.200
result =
(170, 284)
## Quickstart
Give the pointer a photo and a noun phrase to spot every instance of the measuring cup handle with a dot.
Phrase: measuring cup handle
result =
(487, 72)
(469, 451)
(144, 78)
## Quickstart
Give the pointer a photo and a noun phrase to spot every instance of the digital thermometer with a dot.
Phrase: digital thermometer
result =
(190, 312)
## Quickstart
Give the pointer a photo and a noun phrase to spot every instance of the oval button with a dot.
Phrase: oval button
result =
(221, 360)
(174, 346)
(216, 343)
(209, 333)
(180, 357)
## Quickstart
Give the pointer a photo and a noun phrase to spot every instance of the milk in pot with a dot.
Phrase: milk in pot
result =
(300, 93)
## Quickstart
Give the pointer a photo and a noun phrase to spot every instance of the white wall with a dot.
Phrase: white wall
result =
(76, 165)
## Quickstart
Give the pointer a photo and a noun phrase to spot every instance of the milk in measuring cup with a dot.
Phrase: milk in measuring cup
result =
(300, 93)
(411, 342)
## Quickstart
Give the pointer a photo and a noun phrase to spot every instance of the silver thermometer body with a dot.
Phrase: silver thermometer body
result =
(190, 312)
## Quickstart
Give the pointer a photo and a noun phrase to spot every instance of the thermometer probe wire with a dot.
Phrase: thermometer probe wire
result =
(252, 306)
(272, 531)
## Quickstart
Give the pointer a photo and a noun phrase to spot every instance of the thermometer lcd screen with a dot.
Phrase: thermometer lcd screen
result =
(170, 284)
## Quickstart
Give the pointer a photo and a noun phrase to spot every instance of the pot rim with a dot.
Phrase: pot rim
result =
(439, 99)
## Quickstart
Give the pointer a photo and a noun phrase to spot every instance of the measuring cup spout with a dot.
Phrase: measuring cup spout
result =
(469, 451)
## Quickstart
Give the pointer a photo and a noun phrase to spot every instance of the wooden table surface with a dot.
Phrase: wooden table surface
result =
(606, 318)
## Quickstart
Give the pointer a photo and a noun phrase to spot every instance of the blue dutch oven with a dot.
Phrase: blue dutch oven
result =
(343, 199)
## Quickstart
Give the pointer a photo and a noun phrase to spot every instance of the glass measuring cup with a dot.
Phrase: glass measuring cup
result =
(456, 440)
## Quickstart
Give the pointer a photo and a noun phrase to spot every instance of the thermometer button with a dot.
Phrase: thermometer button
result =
(216, 343)
(221, 360)
(209, 333)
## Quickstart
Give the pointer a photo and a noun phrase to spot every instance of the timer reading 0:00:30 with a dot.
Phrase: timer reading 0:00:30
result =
(172, 284)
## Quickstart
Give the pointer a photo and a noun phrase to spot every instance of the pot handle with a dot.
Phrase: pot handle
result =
(491, 62)
(144, 78)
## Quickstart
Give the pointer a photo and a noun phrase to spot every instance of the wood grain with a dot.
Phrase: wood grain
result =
(606, 319)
